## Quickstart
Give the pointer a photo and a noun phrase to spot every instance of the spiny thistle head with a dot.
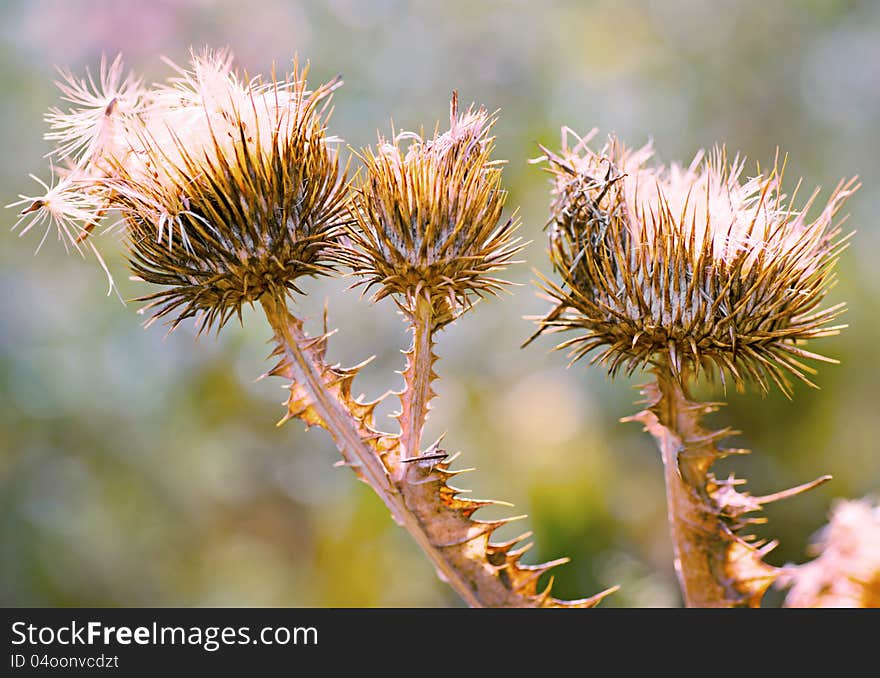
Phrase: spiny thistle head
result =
(428, 216)
(229, 188)
(689, 268)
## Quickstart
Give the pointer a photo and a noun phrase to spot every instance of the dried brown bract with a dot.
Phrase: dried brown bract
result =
(429, 217)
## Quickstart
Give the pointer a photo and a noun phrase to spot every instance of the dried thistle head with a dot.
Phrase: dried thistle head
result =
(846, 569)
(428, 217)
(690, 268)
(228, 188)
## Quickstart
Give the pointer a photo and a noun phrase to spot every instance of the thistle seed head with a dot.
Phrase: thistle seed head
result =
(427, 217)
(228, 188)
(95, 126)
(846, 569)
(690, 268)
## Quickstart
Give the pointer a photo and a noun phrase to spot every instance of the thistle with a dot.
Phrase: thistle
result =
(252, 187)
(428, 230)
(846, 569)
(688, 271)
(429, 217)
(230, 191)
(689, 267)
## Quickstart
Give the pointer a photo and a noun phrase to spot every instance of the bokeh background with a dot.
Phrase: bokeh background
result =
(144, 469)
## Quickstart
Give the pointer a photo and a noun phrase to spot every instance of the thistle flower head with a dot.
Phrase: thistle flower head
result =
(428, 216)
(846, 570)
(694, 267)
(229, 188)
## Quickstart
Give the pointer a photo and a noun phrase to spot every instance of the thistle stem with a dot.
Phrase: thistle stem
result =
(683, 504)
(345, 431)
(418, 376)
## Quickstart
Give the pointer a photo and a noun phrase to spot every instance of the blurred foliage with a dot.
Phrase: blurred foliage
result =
(139, 469)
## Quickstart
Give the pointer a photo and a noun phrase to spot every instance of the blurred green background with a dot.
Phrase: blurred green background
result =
(140, 469)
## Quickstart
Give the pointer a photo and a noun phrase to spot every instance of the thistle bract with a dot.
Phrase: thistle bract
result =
(429, 216)
(688, 267)
(228, 188)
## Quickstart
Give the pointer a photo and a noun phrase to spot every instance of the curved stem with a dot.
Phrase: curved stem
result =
(346, 433)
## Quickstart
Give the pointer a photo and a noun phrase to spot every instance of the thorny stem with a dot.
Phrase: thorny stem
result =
(685, 524)
(716, 566)
(416, 489)
(417, 376)
(355, 451)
